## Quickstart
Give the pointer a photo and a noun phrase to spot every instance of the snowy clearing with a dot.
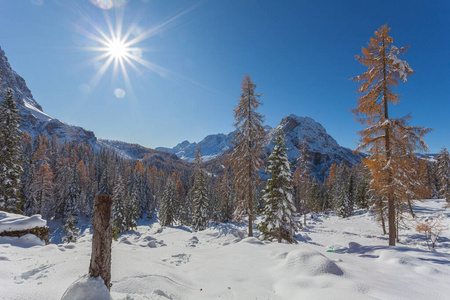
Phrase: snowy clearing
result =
(334, 259)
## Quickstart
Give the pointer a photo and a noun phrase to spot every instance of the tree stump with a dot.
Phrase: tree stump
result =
(101, 241)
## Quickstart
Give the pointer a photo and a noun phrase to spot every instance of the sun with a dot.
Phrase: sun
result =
(117, 49)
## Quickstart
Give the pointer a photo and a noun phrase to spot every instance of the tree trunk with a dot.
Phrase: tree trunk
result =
(391, 204)
(304, 215)
(279, 234)
(380, 206)
(101, 240)
(411, 209)
(396, 228)
(250, 198)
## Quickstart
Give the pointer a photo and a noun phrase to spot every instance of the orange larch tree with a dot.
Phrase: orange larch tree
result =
(246, 159)
(390, 142)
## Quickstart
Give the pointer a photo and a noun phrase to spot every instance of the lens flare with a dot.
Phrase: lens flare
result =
(119, 93)
(103, 4)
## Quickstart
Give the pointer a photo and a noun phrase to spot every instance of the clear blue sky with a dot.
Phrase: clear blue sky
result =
(299, 53)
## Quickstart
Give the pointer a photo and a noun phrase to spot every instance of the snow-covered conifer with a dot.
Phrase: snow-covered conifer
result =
(167, 205)
(278, 221)
(443, 173)
(302, 180)
(70, 229)
(11, 157)
(226, 198)
(199, 196)
(179, 194)
(361, 186)
(118, 209)
(132, 209)
(73, 195)
(343, 202)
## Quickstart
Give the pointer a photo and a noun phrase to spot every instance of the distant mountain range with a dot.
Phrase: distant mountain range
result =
(324, 149)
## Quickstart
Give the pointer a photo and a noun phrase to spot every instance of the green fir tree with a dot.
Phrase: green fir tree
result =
(278, 221)
(11, 157)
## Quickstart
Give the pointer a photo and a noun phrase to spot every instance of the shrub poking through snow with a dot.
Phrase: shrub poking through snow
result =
(432, 229)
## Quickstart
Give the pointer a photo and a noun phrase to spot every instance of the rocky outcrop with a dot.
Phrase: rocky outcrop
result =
(34, 120)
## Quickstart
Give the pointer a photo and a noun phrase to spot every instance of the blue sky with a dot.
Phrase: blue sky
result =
(299, 53)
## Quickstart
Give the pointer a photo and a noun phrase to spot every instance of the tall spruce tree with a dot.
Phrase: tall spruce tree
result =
(387, 140)
(443, 173)
(73, 195)
(246, 158)
(302, 180)
(132, 208)
(179, 194)
(343, 199)
(278, 221)
(226, 197)
(167, 205)
(361, 186)
(11, 158)
(119, 206)
(200, 198)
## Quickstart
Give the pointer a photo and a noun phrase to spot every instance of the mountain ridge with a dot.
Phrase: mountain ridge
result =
(323, 148)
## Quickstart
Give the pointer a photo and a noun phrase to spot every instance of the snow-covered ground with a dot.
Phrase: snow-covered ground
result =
(334, 259)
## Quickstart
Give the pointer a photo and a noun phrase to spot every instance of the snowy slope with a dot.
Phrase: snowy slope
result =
(221, 263)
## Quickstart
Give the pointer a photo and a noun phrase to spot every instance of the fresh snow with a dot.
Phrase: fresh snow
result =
(13, 222)
(334, 259)
(87, 288)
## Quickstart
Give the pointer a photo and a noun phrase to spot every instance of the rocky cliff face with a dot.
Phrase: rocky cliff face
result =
(34, 120)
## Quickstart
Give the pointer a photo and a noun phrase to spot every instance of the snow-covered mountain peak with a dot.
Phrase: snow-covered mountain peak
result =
(298, 129)
(323, 148)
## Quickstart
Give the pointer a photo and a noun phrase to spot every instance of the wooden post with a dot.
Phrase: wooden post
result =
(101, 240)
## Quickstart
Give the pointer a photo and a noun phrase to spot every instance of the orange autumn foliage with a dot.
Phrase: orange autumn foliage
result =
(390, 142)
